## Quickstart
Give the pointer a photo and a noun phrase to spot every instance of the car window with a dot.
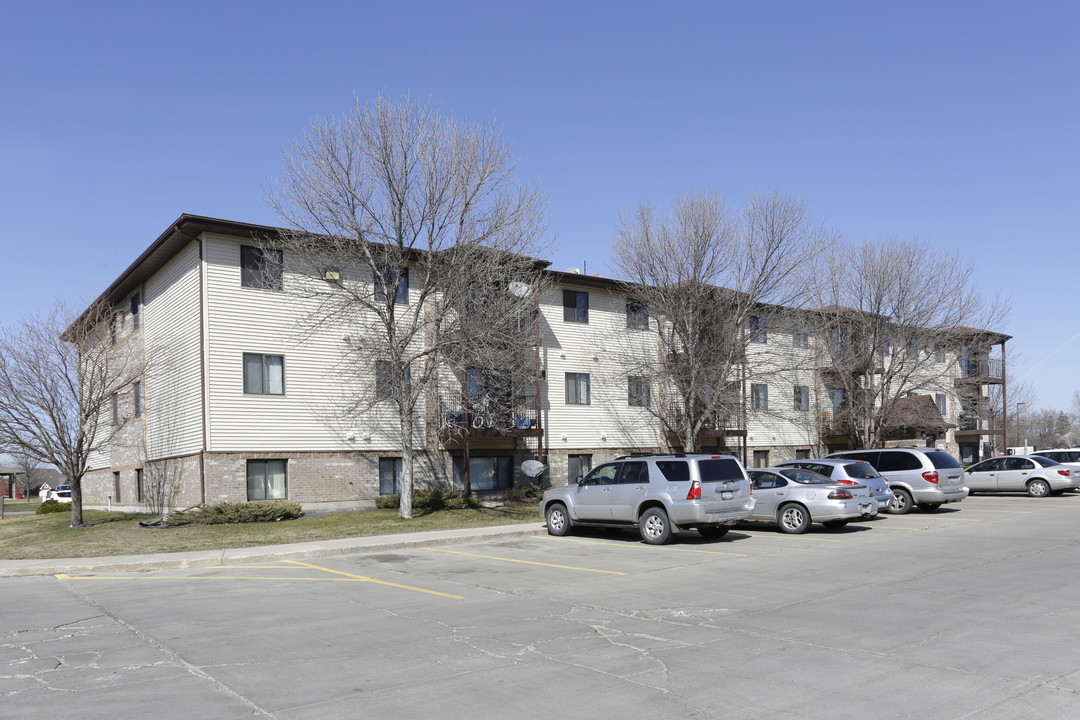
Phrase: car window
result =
(674, 470)
(870, 457)
(1015, 463)
(763, 480)
(1044, 461)
(943, 460)
(719, 470)
(861, 470)
(806, 477)
(603, 475)
(987, 465)
(895, 460)
(633, 473)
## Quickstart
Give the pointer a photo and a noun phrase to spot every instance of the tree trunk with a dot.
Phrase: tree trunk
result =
(405, 507)
(76, 502)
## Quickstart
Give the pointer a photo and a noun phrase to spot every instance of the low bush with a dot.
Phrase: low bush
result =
(53, 506)
(523, 494)
(232, 513)
(429, 499)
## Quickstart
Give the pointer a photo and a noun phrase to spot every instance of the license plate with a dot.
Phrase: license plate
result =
(954, 481)
(727, 495)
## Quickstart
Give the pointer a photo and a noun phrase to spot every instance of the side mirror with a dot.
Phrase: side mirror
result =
(579, 480)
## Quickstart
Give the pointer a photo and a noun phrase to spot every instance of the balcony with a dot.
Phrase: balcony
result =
(835, 423)
(981, 371)
(972, 425)
(488, 417)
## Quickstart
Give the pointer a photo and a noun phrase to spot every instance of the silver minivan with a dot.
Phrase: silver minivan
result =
(657, 494)
(922, 477)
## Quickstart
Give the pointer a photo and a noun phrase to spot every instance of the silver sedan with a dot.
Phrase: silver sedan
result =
(793, 498)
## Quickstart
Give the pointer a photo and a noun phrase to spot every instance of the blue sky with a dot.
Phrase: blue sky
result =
(952, 122)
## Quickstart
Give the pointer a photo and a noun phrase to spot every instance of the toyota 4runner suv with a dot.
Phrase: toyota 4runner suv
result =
(658, 494)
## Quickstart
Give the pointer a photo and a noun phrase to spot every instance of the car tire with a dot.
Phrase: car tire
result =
(929, 506)
(713, 531)
(1038, 488)
(655, 527)
(558, 520)
(833, 524)
(793, 519)
(902, 502)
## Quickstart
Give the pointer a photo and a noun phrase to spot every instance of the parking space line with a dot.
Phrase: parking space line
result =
(1011, 512)
(524, 562)
(790, 538)
(636, 547)
(373, 580)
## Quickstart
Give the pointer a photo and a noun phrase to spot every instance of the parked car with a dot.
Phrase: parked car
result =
(1065, 456)
(61, 493)
(849, 472)
(918, 476)
(657, 494)
(1036, 475)
(793, 498)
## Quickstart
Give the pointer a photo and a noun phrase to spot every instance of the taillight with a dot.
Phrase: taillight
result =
(840, 495)
(1063, 472)
(930, 477)
(695, 491)
(847, 482)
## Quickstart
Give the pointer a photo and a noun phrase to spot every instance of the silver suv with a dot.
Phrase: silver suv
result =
(658, 494)
(923, 477)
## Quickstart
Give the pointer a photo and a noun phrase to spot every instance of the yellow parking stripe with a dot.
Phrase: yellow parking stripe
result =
(373, 580)
(524, 562)
(634, 546)
(1011, 512)
(797, 538)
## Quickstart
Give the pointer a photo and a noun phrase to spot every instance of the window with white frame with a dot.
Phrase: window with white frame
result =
(388, 381)
(637, 391)
(637, 315)
(389, 475)
(575, 306)
(485, 473)
(261, 267)
(802, 397)
(759, 396)
(942, 404)
(266, 479)
(758, 333)
(577, 388)
(391, 278)
(264, 374)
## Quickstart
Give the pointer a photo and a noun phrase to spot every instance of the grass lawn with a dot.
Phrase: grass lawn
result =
(114, 533)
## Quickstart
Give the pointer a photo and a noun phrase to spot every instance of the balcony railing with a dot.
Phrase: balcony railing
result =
(835, 422)
(488, 413)
(984, 368)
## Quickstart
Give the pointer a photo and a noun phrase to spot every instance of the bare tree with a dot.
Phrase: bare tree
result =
(28, 465)
(407, 228)
(706, 283)
(60, 377)
(894, 317)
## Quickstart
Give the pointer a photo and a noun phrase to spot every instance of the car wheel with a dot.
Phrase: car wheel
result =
(713, 531)
(793, 519)
(833, 524)
(902, 502)
(655, 528)
(1038, 488)
(929, 506)
(558, 521)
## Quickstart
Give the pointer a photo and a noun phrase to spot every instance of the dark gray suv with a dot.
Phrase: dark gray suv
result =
(920, 477)
(657, 494)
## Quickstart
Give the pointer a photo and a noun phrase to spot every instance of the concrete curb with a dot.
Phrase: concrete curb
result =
(262, 553)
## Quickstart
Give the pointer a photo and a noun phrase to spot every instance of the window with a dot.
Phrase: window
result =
(577, 388)
(637, 391)
(136, 393)
(117, 327)
(939, 353)
(757, 329)
(139, 490)
(800, 339)
(759, 396)
(392, 277)
(674, 470)
(485, 473)
(803, 454)
(136, 305)
(577, 466)
(575, 306)
(116, 409)
(264, 374)
(637, 315)
(116, 486)
(266, 479)
(761, 458)
(389, 475)
(260, 268)
(802, 397)
(913, 349)
(388, 382)
(942, 405)
(634, 473)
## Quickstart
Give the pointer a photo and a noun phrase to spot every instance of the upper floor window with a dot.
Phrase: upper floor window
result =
(577, 388)
(942, 403)
(116, 409)
(802, 397)
(637, 315)
(759, 396)
(939, 353)
(800, 339)
(388, 383)
(136, 315)
(637, 391)
(391, 278)
(264, 374)
(757, 329)
(575, 306)
(117, 327)
(136, 392)
(260, 267)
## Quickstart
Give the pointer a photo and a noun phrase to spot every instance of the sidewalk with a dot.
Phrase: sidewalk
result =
(262, 553)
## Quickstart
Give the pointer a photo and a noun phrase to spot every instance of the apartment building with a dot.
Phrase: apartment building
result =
(240, 398)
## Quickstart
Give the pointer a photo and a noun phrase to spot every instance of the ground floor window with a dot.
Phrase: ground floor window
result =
(389, 475)
(485, 473)
(116, 487)
(761, 458)
(266, 479)
(578, 466)
(139, 492)
(802, 454)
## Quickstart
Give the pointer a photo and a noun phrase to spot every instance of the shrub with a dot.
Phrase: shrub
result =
(429, 499)
(522, 495)
(231, 513)
(53, 506)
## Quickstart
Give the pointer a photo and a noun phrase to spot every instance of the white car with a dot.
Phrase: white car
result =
(61, 493)
(1036, 475)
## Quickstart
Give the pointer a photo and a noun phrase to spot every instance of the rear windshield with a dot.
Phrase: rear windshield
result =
(943, 460)
(674, 470)
(861, 470)
(805, 477)
(1044, 461)
(719, 470)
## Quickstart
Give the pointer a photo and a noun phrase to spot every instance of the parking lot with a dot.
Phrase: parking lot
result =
(966, 612)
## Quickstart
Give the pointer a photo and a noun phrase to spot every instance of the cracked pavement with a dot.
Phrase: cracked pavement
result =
(965, 613)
